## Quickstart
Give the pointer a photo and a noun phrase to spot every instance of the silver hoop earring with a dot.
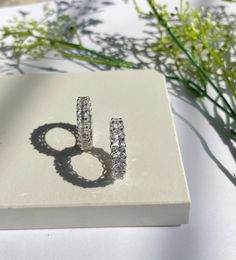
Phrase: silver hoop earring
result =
(118, 148)
(84, 123)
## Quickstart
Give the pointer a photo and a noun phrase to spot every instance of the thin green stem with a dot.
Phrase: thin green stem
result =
(82, 48)
(77, 57)
(105, 59)
(228, 82)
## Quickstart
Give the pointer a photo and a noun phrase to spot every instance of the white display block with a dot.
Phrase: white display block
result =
(45, 180)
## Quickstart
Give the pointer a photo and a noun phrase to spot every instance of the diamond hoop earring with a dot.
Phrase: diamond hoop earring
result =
(84, 123)
(118, 148)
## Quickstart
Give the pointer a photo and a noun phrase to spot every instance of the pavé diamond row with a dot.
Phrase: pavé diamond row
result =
(118, 151)
(84, 123)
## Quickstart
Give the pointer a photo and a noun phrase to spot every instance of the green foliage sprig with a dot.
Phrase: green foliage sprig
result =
(57, 34)
(198, 48)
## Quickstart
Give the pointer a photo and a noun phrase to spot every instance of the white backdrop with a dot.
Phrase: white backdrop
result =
(211, 233)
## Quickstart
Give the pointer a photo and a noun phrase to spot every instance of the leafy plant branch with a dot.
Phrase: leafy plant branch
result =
(36, 39)
(160, 18)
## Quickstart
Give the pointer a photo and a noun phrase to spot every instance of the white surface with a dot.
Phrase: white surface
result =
(211, 233)
(155, 179)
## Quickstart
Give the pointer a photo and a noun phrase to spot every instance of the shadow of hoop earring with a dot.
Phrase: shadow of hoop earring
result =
(62, 161)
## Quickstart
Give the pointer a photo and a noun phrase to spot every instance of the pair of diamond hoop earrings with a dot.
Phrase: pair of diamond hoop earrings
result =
(117, 136)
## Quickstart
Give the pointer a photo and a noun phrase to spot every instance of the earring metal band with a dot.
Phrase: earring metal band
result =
(118, 148)
(84, 123)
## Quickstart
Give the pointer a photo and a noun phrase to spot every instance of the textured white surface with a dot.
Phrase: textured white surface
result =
(211, 233)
